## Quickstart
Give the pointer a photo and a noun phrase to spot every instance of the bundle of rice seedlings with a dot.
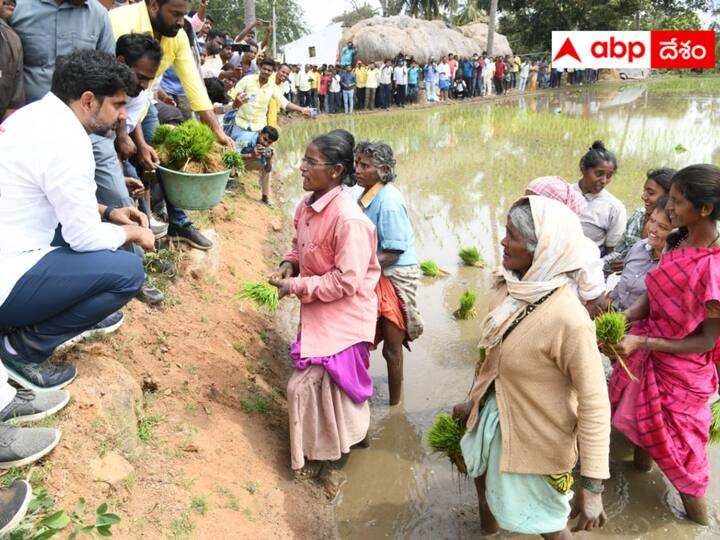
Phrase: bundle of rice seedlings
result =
(430, 268)
(610, 328)
(467, 306)
(262, 294)
(444, 438)
(471, 257)
(715, 424)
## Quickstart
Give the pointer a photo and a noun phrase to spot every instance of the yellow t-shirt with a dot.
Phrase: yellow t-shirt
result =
(361, 75)
(315, 83)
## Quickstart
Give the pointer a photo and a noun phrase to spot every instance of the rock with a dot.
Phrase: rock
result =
(149, 385)
(608, 75)
(379, 38)
(199, 263)
(114, 391)
(168, 392)
(113, 469)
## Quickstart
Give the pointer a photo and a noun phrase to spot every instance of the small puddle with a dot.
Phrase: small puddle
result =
(460, 168)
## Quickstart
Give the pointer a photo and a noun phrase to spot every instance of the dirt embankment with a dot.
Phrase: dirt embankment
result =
(179, 420)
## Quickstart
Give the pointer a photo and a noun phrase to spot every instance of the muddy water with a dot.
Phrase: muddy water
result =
(460, 168)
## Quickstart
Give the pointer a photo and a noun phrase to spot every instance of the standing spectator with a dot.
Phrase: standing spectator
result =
(430, 76)
(371, 85)
(12, 85)
(467, 69)
(246, 60)
(478, 82)
(335, 92)
(400, 78)
(347, 56)
(452, 62)
(361, 78)
(348, 83)
(507, 80)
(489, 74)
(524, 73)
(542, 73)
(314, 88)
(534, 72)
(412, 78)
(49, 29)
(324, 90)
(281, 75)
(386, 73)
(443, 78)
(499, 75)
(292, 81)
(304, 80)
(515, 70)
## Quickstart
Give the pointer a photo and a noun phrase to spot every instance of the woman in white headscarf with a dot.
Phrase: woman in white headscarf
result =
(541, 389)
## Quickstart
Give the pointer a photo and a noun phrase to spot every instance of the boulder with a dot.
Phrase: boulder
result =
(478, 32)
(379, 38)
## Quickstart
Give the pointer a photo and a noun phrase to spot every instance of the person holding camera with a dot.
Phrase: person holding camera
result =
(257, 154)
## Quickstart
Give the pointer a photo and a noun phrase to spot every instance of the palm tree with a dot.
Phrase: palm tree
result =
(491, 26)
(249, 8)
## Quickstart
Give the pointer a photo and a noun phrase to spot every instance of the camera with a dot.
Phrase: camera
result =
(239, 47)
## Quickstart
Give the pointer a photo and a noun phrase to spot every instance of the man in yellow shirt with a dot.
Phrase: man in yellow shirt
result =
(315, 87)
(164, 19)
(361, 79)
(515, 69)
(281, 76)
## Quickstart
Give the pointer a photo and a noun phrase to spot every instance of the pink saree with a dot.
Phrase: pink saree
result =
(667, 412)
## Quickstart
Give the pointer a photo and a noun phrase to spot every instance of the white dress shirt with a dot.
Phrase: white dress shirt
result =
(47, 177)
(386, 74)
(400, 75)
(604, 218)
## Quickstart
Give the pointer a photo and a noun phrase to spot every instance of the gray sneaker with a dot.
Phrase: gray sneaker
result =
(22, 446)
(14, 503)
(28, 406)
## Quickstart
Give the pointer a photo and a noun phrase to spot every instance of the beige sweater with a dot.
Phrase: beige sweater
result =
(551, 391)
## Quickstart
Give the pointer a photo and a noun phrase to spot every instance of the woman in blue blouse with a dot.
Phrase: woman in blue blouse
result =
(399, 320)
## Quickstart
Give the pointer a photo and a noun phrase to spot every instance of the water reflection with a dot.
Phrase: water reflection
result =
(460, 168)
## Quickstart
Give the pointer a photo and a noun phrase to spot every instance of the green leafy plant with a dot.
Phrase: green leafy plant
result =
(189, 147)
(232, 159)
(679, 148)
(467, 306)
(200, 505)
(610, 328)
(471, 257)
(715, 424)
(262, 294)
(430, 268)
(146, 427)
(444, 438)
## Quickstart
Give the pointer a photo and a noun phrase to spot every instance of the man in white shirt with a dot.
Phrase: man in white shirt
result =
(386, 73)
(304, 78)
(400, 77)
(54, 287)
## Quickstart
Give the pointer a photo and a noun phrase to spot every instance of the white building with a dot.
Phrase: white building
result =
(318, 48)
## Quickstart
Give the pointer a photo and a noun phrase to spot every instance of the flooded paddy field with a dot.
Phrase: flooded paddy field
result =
(460, 168)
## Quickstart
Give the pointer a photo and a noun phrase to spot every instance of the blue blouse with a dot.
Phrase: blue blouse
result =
(388, 212)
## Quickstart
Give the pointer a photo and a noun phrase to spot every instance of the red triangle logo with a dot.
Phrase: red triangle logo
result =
(567, 49)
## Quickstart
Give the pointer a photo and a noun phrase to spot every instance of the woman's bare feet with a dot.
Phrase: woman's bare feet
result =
(312, 469)
(695, 508)
(642, 460)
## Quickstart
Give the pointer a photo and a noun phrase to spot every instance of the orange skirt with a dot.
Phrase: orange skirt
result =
(390, 306)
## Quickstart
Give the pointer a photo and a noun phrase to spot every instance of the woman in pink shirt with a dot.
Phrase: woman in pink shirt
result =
(332, 268)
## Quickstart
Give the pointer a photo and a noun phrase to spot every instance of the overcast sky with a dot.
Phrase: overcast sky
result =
(318, 13)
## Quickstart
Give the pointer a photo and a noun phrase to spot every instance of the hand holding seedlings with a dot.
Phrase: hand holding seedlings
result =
(610, 329)
(283, 287)
(262, 294)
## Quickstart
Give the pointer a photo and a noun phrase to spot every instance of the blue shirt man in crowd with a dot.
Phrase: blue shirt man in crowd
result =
(348, 83)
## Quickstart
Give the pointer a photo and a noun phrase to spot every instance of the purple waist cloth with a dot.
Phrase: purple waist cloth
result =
(348, 369)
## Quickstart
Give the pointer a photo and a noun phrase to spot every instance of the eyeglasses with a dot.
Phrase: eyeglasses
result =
(313, 163)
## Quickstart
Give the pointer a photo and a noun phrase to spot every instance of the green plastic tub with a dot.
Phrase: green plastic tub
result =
(193, 191)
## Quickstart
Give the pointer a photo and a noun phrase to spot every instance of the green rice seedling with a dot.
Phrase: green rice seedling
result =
(444, 438)
(467, 306)
(430, 268)
(610, 328)
(679, 148)
(161, 133)
(190, 141)
(262, 294)
(471, 257)
(715, 424)
(233, 160)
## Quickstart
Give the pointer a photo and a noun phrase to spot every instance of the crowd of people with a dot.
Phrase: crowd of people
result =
(354, 84)
(78, 213)
(540, 401)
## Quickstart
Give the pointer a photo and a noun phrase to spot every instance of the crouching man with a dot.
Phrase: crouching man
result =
(54, 287)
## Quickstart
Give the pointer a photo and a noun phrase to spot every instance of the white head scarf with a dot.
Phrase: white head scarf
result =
(562, 248)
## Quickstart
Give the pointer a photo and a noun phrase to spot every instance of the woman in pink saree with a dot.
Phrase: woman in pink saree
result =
(672, 345)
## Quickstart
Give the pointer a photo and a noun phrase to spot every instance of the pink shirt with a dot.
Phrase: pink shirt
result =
(334, 250)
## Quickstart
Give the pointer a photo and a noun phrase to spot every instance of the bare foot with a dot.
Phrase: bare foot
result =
(695, 508)
(642, 460)
(311, 469)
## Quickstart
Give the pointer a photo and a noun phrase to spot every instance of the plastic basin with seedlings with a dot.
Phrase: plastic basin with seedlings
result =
(194, 168)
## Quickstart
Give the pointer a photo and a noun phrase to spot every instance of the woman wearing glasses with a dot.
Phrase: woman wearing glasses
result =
(332, 268)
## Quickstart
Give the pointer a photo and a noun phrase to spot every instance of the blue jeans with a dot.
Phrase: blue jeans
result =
(64, 294)
(385, 94)
(176, 216)
(348, 100)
